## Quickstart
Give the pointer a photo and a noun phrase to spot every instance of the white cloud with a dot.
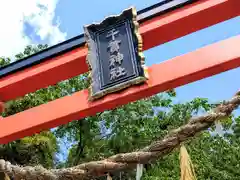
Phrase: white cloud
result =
(39, 14)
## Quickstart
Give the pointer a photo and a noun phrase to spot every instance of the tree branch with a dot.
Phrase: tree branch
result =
(80, 146)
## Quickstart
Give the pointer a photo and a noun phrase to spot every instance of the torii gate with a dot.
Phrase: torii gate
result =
(160, 23)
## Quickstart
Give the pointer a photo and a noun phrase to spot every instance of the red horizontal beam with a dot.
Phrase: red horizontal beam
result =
(204, 62)
(154, 32)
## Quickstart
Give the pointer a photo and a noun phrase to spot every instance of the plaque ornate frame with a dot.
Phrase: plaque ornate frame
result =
(110, 21)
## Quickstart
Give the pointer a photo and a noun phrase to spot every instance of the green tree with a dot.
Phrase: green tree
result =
(39, 148)
(43, 146)
(123, 129)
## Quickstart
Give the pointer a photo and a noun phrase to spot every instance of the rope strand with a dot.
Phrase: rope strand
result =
(123, 161)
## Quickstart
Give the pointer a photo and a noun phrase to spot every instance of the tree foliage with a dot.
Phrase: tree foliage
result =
(123, 129)
(39, 148)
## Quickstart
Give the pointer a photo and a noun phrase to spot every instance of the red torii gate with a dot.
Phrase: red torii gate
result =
(67, 60)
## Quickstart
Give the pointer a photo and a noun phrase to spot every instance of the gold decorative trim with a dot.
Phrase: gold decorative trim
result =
(140, 55)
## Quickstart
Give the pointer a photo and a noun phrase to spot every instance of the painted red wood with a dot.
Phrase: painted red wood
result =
(155, 32)
(202, 63)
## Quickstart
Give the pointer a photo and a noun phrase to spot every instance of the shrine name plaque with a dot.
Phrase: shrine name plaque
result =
(115, 56)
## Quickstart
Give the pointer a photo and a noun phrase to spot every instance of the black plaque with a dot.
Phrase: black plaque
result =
(115, 56)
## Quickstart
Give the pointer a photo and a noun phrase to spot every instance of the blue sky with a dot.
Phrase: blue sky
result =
(53, 21)
(74, 14)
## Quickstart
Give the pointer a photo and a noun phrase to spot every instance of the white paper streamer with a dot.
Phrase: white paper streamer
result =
(139, 171)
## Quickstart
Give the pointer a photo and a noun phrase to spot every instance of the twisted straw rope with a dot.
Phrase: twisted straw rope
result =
(120, 162)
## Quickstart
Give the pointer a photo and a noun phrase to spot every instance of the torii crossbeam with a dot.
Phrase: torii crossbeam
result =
(160, 23)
